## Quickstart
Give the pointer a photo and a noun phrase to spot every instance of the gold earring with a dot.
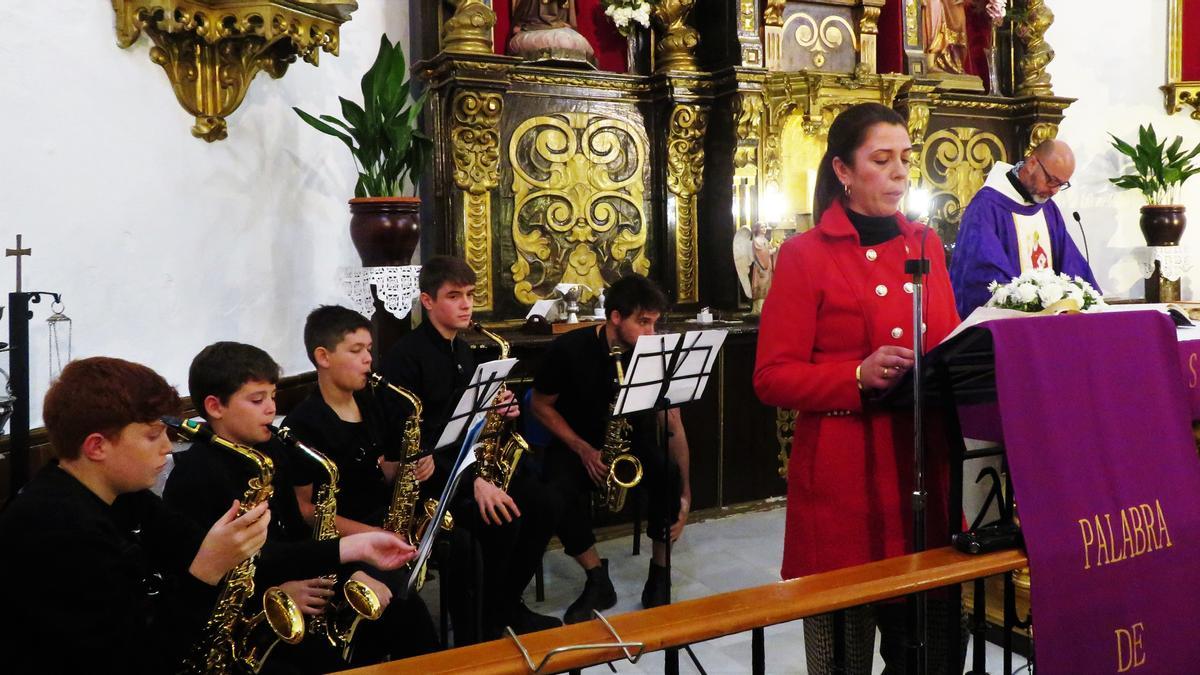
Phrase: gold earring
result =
(846, 187)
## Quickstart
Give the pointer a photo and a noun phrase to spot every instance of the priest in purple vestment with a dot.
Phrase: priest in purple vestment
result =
(1012, 226)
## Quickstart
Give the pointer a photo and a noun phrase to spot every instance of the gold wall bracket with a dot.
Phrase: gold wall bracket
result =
(1178, 92)
(212, 49)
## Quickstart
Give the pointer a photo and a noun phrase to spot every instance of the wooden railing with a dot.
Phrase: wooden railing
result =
(690, 621)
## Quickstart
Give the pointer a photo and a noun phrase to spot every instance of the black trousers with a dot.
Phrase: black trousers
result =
(892, 620)
(489, 566)
(405, 629)
(564, 473)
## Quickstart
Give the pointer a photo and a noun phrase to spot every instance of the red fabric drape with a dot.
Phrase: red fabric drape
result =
(979, 38)
(1191, 41)
(890, 46)
(593, 25)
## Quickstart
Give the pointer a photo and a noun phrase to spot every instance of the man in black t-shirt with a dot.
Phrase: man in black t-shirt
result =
(100, 575)
(511, 528)
(573, 393)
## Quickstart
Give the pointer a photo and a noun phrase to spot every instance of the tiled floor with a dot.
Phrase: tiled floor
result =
(714, 556)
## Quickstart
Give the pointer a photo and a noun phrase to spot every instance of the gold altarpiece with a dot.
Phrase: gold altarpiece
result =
(550, 174)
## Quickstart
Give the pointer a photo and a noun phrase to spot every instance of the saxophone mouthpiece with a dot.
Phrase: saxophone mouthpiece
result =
(172, 422)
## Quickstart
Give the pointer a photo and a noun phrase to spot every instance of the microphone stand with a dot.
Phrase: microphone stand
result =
(918, 630)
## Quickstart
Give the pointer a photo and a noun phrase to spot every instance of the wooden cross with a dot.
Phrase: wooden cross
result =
(18, 253)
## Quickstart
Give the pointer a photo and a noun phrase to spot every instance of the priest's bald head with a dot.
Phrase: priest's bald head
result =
(1047, 170)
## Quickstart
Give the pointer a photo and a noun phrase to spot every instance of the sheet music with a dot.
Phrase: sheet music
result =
(487, 378)
(466, 457)
(643, 382)
(692, 372)
(647, 369)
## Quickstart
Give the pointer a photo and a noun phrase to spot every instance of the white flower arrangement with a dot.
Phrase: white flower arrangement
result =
(1042, 290)
(625, 13)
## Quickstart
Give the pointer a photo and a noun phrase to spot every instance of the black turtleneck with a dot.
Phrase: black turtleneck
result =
(1018, 185)
(873, 230)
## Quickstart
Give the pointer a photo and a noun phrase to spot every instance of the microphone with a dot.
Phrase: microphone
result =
(1087, 255)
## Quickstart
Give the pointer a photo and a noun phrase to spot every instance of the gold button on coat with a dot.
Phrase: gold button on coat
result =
(897, 332)
(881, 290)
(872, 255)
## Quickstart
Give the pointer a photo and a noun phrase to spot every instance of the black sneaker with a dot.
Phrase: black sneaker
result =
(654, 593)
(524, 620)
(598, 593)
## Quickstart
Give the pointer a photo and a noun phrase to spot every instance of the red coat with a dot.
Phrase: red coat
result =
(831, 304)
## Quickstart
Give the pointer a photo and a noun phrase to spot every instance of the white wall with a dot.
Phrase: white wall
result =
(1112, 56)
(162, 243)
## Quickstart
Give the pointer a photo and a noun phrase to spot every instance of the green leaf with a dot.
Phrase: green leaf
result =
(355, 115)
(324, 128)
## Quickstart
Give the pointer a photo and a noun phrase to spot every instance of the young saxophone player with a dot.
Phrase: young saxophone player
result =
(102, 576)
(512, 528)
(342, 418)
(572, 394)
(233, 384)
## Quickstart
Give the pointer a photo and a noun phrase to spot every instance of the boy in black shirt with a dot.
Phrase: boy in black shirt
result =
(342, 419)
(512, 528)
(233, 385)
(573, 391)
(103, 575)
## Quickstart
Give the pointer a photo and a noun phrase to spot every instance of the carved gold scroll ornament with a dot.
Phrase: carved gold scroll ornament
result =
(212, 49)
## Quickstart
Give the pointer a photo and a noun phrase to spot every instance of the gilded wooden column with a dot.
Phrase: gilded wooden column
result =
(868, 35)
(747, 121)
(747, 31)
(475, 145)
(914, 48)
(470, 29)
(677, 49)
(1035, 81)
(773, 33)
(685, 177)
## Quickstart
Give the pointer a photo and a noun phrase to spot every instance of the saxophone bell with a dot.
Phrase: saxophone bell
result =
(341, 618)
(626, 471)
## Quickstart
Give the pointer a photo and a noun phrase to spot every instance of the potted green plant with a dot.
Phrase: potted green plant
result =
(391, 154)
(1159, 171)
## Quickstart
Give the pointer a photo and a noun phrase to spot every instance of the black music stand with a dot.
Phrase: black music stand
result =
(962, 371)
(465, 423)
(666, 371)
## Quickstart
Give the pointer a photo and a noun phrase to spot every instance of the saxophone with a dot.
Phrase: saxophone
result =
(624, 469)
(500, 447)
(402, 517)
(232, 641)
(340, 620)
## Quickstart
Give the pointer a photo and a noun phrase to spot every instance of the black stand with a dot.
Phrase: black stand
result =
(918, 630)
(18, 360)
(962, 371)
(671, 362)
(479, 395)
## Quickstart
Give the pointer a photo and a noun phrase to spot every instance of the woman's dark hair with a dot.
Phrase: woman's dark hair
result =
(846, 134)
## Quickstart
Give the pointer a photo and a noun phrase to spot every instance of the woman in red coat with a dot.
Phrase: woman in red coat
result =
(835, 332)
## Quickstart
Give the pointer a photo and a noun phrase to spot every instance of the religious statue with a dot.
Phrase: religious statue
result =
(754, 257)
(544, 30)
(946, 35)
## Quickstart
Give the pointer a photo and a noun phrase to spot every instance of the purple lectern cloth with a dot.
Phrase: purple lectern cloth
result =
(1097, 432)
